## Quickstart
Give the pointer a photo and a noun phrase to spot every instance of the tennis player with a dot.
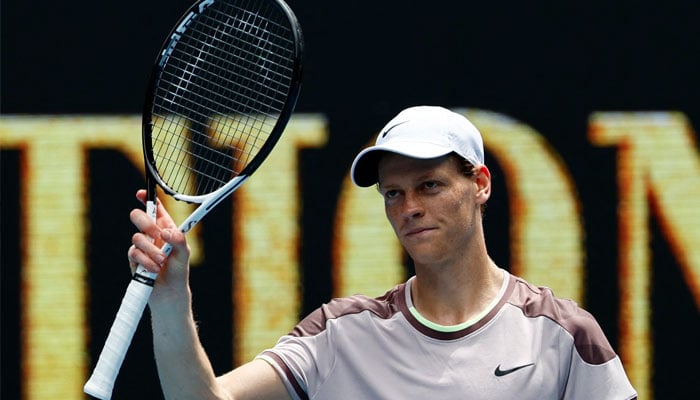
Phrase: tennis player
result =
(461, 328)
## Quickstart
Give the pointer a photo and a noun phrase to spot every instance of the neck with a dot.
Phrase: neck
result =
(454, 293)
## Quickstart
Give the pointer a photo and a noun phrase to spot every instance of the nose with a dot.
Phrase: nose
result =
(412, 206)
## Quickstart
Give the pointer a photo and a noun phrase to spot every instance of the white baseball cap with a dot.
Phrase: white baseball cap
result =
(420, 132)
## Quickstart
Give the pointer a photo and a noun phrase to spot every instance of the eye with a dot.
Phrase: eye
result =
(390, 194)
(430, 185)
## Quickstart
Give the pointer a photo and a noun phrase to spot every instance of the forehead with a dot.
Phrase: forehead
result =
(393, 166)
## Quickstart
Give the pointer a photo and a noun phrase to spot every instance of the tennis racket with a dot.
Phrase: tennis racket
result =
(222, 89)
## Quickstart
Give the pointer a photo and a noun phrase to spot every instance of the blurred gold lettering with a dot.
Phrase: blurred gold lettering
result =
(53, 275)
(657, 164)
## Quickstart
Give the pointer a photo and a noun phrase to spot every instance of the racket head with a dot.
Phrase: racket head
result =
(222, 89)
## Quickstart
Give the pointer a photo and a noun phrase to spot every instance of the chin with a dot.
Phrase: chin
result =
(426, 258)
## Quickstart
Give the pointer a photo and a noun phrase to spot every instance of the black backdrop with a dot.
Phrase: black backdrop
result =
(546, 63)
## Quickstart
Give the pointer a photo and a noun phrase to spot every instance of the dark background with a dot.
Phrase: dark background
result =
(549, 64)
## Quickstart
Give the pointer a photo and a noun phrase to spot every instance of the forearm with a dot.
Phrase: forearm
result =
(183, 367)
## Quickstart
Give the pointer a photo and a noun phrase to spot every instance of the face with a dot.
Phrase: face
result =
(433, 207)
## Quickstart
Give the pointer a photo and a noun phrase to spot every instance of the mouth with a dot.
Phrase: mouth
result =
(417, 231)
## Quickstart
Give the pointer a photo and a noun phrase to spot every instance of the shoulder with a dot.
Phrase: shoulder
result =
(383, 307)
(540, 302)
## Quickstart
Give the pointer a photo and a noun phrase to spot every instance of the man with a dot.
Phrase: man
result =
(460, 328)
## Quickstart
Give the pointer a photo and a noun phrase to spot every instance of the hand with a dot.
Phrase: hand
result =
(173, 270)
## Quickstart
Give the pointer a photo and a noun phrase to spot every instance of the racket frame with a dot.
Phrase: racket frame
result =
(147, 114)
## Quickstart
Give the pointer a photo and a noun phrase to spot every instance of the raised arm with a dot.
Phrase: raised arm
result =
(183, 367)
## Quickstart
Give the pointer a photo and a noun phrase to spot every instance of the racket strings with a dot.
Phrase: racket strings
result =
(274, 85)
(219, 95)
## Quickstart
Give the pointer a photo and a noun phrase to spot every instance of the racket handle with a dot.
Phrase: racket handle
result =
(104, 375)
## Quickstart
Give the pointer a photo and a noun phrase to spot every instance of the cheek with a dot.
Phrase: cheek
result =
(390, 213)
(465, 210)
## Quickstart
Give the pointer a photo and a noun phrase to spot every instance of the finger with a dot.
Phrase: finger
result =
(173, 236)
(146, 245)
(137, 257)
(141, 195)
(163, 217)
(131, 256)
(145, 223)
(145, 253)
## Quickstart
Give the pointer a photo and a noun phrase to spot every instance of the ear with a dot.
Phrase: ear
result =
(483, 183)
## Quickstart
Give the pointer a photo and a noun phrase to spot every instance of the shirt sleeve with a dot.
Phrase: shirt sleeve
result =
(294, 359)
(598, 381)
(594, 369)
(302, 360)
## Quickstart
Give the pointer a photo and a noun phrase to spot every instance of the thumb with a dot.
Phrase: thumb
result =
(176, 238)
(176, 271)
(180, 250)
(171, 235)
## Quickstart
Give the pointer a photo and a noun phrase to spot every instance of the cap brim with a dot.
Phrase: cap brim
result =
(364, 167)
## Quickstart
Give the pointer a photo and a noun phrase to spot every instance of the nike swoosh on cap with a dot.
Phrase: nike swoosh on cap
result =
(394, 126)
(503, 372)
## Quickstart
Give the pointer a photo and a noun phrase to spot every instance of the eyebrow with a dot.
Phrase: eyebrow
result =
(430, 175)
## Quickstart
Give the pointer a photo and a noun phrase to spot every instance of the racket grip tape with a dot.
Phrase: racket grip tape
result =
(104, 375)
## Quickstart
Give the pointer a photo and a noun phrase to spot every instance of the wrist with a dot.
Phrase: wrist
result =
(170, 300)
